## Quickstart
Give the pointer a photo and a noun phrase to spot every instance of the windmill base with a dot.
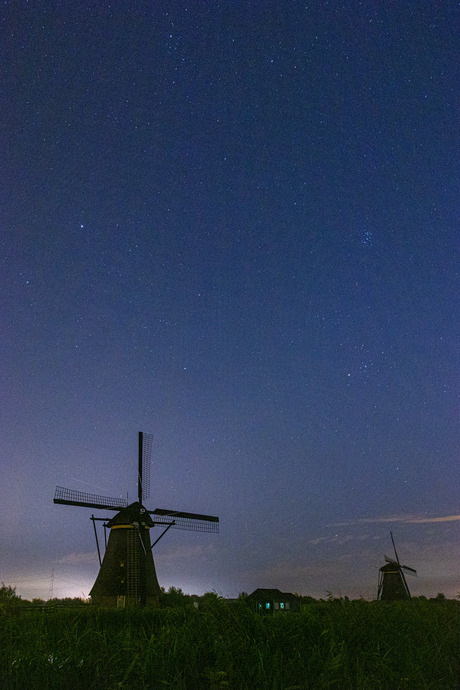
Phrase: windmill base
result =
(122, 601)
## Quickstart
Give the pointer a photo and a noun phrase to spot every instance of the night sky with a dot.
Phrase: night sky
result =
(233, 225)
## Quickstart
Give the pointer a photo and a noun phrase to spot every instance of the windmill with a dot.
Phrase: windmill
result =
(127, 573)
(392, 582)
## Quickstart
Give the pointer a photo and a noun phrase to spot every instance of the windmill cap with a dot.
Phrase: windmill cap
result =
(135, 512)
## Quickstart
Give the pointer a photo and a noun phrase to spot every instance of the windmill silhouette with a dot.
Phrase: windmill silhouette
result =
(392, 582)
(127, 575)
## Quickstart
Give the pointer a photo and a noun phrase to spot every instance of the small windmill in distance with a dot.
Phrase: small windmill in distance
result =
(392, 582)
(127, 574)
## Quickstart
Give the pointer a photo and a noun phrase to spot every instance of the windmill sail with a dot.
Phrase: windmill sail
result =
(145, 454)
(411, 571)
(71, 497)
(193, 522)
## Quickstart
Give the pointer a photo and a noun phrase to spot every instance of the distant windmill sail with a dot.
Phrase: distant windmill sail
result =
(127, 574)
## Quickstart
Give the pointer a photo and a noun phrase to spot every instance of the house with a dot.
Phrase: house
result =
(270, 601)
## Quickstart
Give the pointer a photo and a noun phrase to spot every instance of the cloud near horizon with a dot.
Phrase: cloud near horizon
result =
(407, 519)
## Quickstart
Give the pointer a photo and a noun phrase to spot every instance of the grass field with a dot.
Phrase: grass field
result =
(342, 645)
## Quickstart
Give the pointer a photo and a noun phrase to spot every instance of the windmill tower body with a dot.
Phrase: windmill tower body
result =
(127, 575)
(392, 584)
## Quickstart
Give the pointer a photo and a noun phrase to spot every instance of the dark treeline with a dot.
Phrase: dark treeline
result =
(173, 597)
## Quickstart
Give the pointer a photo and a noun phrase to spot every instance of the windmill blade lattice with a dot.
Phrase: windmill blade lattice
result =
(71, 497)
(145, 455)
(410, 571)
(193, 522)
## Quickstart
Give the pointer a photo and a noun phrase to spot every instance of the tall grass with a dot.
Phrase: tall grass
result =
(349, 645)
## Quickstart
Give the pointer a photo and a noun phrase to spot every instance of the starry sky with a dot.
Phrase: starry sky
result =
(233, 225)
